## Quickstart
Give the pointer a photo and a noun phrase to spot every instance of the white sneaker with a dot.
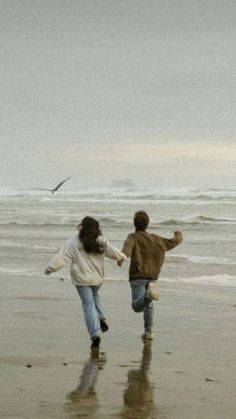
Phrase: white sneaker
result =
(152, 292)
(148, 335)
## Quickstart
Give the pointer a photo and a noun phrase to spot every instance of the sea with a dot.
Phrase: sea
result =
(34, 224)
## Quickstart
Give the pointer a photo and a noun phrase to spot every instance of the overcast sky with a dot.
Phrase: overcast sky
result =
(108, 89)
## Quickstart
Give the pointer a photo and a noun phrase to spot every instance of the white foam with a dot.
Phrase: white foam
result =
(19, 272)
(10, 271)
(201, 259)
(111, 194)
(214, 280)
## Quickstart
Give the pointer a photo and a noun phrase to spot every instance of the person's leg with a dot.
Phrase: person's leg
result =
(140, 302)
(97, 301)
(103, 324)
(148, 317)
(148, 312)
(90, 312)
(139, 299)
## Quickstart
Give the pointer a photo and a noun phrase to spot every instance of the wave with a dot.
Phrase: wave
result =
(19, 272)
(113, 194)
(180, 259)
(112, 221)
(198, 219)
(221, 280)
(26, 272)
(36, 224)
(11, 271)
(6, 244)
(214, 280)
(224, 280)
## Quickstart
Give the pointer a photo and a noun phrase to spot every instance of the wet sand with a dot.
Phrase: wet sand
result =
(47, 370)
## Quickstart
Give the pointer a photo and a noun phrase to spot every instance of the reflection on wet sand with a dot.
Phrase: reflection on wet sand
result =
(83, 402)
(138, 395)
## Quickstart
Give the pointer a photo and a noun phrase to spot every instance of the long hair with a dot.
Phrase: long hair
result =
(89, 232)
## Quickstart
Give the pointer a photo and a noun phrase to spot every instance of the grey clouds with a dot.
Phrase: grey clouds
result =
(145, 89)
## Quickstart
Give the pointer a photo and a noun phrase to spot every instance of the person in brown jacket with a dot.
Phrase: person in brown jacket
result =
(147, 252)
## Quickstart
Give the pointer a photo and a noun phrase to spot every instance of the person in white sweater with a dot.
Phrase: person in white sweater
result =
(86, 252)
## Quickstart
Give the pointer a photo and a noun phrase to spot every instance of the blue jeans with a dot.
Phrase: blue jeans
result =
(92, 308)
(140, 302)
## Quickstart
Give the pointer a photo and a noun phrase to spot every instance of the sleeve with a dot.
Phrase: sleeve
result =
(112, 252)
(64, 255)
(172, 243)
(128, 245)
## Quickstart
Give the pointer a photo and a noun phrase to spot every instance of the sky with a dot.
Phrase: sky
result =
(111, 89)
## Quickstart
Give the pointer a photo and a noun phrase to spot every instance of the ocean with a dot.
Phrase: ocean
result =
(34, 224)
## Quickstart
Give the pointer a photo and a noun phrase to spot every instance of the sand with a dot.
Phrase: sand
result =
(47, 370)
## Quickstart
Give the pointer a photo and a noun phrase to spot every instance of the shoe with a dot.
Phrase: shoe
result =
(152, 292)
(95, 342)
(103, 325)
(149, 335)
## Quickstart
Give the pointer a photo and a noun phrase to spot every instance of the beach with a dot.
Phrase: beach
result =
(48, 372)
(112, 108)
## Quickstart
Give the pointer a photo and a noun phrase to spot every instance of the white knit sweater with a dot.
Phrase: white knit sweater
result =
(86, 268)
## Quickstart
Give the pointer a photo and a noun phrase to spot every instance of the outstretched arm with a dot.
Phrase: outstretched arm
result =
(178, 236)
(175, 241)
(60, 259)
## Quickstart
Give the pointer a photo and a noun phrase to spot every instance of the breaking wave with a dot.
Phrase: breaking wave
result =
(123, 194)
(223, 280)
(64, 222)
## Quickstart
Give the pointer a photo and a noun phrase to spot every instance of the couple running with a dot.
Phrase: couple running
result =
(86, 252)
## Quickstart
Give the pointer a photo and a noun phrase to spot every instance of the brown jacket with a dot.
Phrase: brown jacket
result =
(147, 253)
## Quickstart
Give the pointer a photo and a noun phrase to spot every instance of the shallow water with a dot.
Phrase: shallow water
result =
(34, 224)
(188, 371)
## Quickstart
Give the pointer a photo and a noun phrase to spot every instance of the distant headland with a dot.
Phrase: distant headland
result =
(123, 183)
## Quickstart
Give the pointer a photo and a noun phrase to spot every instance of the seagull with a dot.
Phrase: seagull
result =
(56, 187)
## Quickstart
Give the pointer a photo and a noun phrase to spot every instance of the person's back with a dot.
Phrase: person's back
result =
(86, 253)
(147, 254)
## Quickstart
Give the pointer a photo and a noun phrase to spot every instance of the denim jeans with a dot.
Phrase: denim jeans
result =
(92, 308)
(140, 302)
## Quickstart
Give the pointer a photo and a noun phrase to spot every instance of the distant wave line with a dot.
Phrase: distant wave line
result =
(120, 222)
(203, 260)
(199, 219)
(113, 194)
(224, 280)
(207, 280)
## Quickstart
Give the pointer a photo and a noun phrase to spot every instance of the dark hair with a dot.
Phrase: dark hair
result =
(141, 220)
(89, 232)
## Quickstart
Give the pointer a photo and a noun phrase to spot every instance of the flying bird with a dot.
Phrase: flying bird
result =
(56, 187)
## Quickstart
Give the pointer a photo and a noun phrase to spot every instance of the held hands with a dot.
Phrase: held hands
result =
(49, 270)
(119, 262)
